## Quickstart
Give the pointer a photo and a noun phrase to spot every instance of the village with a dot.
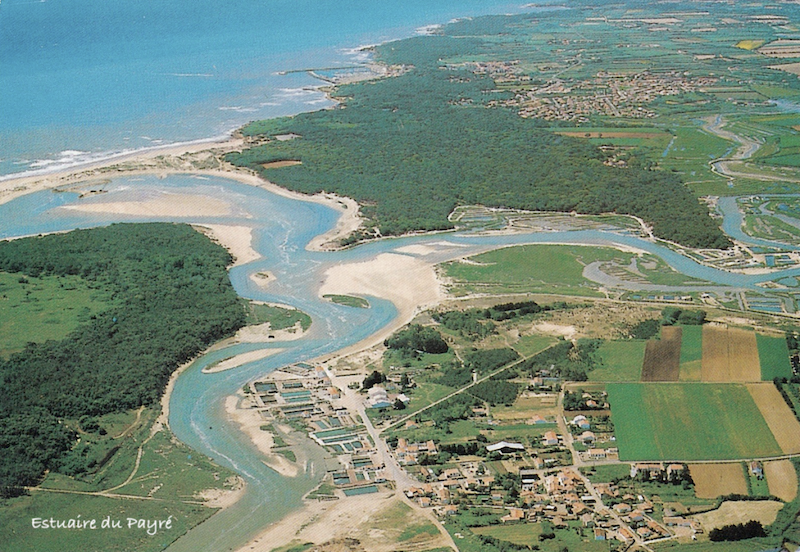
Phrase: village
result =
(547, 480)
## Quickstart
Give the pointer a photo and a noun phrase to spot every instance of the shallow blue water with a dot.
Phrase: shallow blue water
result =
(81, 78)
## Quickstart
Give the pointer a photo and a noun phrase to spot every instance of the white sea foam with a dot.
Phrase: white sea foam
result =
(298, 92)
(237, 108)
(427, 29)
(43, 167)
(202, 75)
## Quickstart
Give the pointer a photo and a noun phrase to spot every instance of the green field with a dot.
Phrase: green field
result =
(691, 353)
(527, 534)
(279, 318)
(532, 268)
(348, 301)
(622, 361)
(424, 394)
(49, 307)
(774, 357)
(17, 534)
(529, 345)
(688, 421)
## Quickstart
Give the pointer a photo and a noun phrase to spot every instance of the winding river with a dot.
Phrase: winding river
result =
(281, 229)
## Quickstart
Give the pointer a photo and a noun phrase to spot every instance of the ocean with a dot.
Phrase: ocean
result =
(83, 79)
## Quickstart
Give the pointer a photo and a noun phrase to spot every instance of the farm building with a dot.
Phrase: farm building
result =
(505, 447)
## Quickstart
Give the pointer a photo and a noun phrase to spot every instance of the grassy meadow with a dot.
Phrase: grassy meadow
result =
(532, 269)
(49, 307)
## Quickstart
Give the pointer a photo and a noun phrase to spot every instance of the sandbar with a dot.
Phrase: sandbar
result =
(239, 360)
(166, 205)
(195, 159)
(410, 284)
(238, 240)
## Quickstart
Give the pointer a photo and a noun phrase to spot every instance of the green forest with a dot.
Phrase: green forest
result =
(410, 148)
(171, 298)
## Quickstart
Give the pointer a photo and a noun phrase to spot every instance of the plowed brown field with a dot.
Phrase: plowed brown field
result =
(662, 357)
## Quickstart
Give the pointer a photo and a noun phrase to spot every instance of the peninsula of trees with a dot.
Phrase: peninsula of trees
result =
(171, 298)
(412, 147)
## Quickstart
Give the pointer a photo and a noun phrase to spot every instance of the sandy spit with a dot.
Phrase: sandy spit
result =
(239, 360)
(250, 422)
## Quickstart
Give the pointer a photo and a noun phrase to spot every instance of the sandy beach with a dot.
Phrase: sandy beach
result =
(367, 518)
(238, 240)
(409, 283)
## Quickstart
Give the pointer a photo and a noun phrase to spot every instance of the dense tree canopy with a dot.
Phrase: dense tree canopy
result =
(413, 147)
(172, 299)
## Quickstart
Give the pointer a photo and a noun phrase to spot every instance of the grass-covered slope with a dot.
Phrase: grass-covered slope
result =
(171, 298)
(412, 147)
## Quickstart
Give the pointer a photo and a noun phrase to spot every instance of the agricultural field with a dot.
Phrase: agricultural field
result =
(527, 534)
(730, 355)
(782, 479)
(691, 353)
(48, 307)
(778, 415)
(688, 421)
(621, 361)
(525, 408)
(713, 480)
(662, 356)
(730, 512)
(529, 345)
(774, 356)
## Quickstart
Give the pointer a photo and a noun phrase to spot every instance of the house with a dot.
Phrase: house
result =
(550, 439)
(756, 469)
(647, 471)
(378, 398)
(621, 508)
(514, 514)
(587, 437)
(599, 534)
(537, 420)
(597, 454)
(505, 447)
(581, 421)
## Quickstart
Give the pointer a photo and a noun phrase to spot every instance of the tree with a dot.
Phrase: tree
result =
(373, 379)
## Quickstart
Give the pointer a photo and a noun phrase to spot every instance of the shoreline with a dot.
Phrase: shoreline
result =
(173, 160)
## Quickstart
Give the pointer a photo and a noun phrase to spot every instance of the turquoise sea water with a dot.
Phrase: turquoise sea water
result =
(82, 78)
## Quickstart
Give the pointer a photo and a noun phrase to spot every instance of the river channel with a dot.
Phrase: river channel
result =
(281, 229)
